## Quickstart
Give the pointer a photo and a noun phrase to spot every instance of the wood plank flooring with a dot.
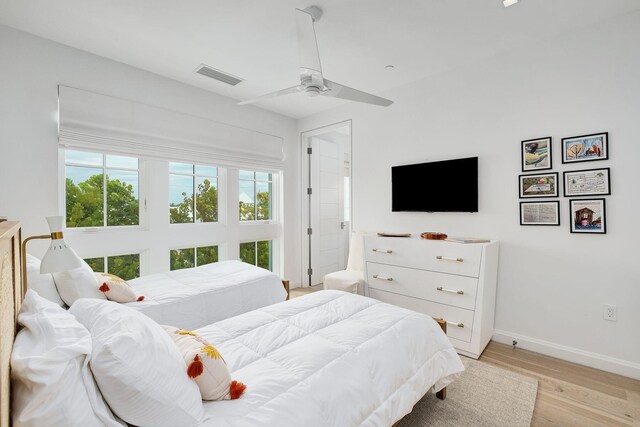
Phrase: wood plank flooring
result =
(571, 394)
(568, 394)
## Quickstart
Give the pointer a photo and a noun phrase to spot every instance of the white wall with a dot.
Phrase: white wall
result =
(552, 284)
(31, 69)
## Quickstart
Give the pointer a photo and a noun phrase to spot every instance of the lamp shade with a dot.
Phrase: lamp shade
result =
(59, 256)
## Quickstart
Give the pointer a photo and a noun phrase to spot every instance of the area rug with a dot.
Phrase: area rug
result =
(483, 396)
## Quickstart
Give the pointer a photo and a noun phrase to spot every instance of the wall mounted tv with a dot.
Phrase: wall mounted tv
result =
(445, 186)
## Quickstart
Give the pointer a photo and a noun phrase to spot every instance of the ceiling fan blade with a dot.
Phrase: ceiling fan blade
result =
(287, 91)
(337, 90)
(307, 44)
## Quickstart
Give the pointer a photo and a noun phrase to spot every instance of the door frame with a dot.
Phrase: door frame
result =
(304, 177)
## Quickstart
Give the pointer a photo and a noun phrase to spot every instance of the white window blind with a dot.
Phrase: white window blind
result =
(92, 121)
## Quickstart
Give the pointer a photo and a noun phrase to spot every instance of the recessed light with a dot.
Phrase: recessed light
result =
(508, 3)
(389, 67)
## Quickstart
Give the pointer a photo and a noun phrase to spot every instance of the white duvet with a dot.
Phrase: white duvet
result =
(194, 297)
(329, 359)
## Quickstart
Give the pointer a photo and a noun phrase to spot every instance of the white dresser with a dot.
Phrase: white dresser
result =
(452, 281)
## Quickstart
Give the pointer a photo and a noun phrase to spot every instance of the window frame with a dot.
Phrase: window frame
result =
(142, 194)
(220, 183)
(275, 193)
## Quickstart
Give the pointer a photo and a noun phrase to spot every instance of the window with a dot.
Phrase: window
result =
(126, 267)
(187, 180)
(255, 196)
(193, 257)
(101, 190)
(257, 253)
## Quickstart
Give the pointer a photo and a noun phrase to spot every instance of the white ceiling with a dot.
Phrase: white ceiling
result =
(255, 39)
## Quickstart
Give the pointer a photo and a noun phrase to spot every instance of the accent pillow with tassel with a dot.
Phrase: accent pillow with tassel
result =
(205, 366)
(116, 289)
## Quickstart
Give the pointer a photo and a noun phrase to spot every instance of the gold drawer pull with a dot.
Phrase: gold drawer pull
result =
(384, 251)
(449, 258)
(459, 325)
(453, 291)
(390, 279)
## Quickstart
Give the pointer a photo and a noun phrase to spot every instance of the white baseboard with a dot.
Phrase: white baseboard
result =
(570, 354)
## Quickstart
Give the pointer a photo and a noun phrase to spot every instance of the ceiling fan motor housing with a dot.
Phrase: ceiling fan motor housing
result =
(312, 91)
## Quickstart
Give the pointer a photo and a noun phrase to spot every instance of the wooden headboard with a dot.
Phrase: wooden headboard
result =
(11, 295)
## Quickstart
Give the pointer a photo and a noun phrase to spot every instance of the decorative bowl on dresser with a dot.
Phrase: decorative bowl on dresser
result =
(452, 281)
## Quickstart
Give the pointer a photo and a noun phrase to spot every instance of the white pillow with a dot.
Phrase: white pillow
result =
(137, 367)
(52, 383)
(43, 284)
(78, 283)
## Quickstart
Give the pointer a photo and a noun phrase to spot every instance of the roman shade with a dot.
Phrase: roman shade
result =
(93, 121)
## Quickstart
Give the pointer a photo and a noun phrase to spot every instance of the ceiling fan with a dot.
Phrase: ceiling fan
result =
(312, 82)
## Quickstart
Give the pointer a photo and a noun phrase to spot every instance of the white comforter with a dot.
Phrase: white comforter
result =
(195, 297)
(329, 359)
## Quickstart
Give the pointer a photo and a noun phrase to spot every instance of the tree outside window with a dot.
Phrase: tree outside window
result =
(255, 196)
(192, 257)
(101, 190)
(192, 188)
(257, 253)
(126, 267)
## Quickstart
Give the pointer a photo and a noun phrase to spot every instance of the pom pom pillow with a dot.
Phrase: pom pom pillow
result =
(116, 289)
(205, 365)
(77, 283)
(137, 366)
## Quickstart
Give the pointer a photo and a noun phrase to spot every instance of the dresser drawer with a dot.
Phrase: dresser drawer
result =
(459, 321)
(440, 256)
(458, 291)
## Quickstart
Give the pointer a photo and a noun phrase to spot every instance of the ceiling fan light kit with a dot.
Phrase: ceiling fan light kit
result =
(312, 81)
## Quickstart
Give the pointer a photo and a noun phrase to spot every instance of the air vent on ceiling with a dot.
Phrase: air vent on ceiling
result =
(212, 73)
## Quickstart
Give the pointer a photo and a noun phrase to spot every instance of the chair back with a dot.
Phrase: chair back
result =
(356, 251)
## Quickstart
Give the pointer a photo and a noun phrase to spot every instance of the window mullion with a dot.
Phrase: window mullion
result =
(193, 186)
(104, 190)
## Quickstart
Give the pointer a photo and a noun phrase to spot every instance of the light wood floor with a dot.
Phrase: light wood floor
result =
(568, 394)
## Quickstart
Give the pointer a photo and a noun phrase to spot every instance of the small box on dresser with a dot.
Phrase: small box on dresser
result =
(453, 281)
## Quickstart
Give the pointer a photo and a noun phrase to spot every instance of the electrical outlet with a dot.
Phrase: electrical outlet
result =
(610, 312)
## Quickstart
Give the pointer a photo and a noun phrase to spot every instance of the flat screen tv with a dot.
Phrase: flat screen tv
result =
(445, 186)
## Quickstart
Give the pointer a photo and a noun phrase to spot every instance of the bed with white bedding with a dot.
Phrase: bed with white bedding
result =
(326, 359)
(194, 297)
(329, 359)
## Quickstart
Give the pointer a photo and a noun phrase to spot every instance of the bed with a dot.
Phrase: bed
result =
(325, 359)
(194, 297)
(189, 298)
(330, 358)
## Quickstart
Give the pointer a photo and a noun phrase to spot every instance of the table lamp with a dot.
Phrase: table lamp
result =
(59, 256)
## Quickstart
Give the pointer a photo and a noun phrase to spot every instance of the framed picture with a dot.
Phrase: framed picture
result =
(536, 154)
(585, 148)
(539, 185)
(540, 213)
(588, 216)
(590, 182)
